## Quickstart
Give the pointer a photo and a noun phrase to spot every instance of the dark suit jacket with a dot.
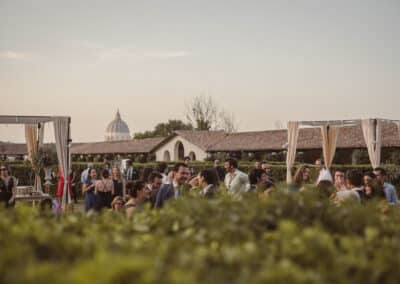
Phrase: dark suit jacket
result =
(220, 172)
(165, 192)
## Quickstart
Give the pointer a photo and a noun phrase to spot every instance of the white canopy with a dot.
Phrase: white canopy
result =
(34, 132)
(372, 132)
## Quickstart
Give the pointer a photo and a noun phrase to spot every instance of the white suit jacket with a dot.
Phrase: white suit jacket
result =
(238, 183)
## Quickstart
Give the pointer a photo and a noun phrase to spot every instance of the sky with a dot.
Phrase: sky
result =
(264, 61)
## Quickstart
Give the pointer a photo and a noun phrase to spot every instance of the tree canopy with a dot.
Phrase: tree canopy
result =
(164, 129)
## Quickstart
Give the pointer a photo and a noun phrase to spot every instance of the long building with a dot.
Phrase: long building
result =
(208, 145)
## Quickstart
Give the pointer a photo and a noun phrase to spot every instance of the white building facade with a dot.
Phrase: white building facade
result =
(177, 148)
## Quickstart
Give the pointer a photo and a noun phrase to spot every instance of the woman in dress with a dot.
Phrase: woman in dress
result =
(119, 183)
(60, 187)
(208, 181)
(139, 193)
(301, 178)
(104, 189)
(88, 189)
(9, 188)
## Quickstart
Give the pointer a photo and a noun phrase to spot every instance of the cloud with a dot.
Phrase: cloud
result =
(118, 53)
(103, 52)
(14, 55)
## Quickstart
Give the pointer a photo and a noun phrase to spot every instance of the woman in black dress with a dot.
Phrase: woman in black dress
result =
(8, 187)
(119, 183)
(104, 189)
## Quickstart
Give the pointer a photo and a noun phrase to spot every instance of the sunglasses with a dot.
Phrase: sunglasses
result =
(3, 169)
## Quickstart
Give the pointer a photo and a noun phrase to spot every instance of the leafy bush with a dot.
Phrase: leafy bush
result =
(287, 238)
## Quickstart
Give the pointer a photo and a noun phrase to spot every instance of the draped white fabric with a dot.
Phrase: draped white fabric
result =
(61, 134)
(329, 142)
(372, 130)
(293, 134)
(31, 138)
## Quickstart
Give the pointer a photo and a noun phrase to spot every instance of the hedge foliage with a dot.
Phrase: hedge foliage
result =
(286, 238)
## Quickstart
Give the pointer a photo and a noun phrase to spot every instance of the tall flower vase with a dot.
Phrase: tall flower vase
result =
(47, 178)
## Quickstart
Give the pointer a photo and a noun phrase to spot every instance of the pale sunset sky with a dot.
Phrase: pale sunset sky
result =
(262, 60)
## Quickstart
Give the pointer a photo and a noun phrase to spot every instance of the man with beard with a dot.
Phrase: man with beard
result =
(181, 174)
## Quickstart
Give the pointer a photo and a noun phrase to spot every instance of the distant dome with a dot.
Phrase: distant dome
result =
(117, 130)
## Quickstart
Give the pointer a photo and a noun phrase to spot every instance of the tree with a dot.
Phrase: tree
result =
(227, 122)
(204, 114)
(164, 129)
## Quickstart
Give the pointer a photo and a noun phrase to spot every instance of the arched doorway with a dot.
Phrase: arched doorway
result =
(192, 156)
(167, 156)
(179, 151)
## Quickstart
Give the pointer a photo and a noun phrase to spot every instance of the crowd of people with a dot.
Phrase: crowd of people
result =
(352, 185)
(131, 190)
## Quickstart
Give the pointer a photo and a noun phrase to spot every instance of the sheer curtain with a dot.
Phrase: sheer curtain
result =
(61, 129)
(293, 135)
(329, 142)
(372, 130)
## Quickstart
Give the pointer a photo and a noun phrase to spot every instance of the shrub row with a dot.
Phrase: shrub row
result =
(288, 238)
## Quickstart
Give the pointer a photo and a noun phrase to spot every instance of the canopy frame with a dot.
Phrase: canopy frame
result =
(63, 152)
(371, 132)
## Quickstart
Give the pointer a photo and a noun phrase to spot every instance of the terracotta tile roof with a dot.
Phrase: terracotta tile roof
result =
(251, 141)
(7, 148)
(214, 141)
(309, 138)
(12, 148)
(203, 139)
(130, 146)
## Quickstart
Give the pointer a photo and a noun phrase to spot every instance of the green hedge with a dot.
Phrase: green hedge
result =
(288, 238)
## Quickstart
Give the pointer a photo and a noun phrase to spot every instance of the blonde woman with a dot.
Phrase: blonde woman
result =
(119, 182)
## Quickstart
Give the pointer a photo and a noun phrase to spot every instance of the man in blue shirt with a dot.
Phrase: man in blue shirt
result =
(390, 191)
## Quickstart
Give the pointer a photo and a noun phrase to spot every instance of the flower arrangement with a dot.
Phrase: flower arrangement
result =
(42, 159)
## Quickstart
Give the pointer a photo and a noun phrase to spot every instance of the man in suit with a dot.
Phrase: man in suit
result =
(131, 173)
(154, 183)
(175, 189)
